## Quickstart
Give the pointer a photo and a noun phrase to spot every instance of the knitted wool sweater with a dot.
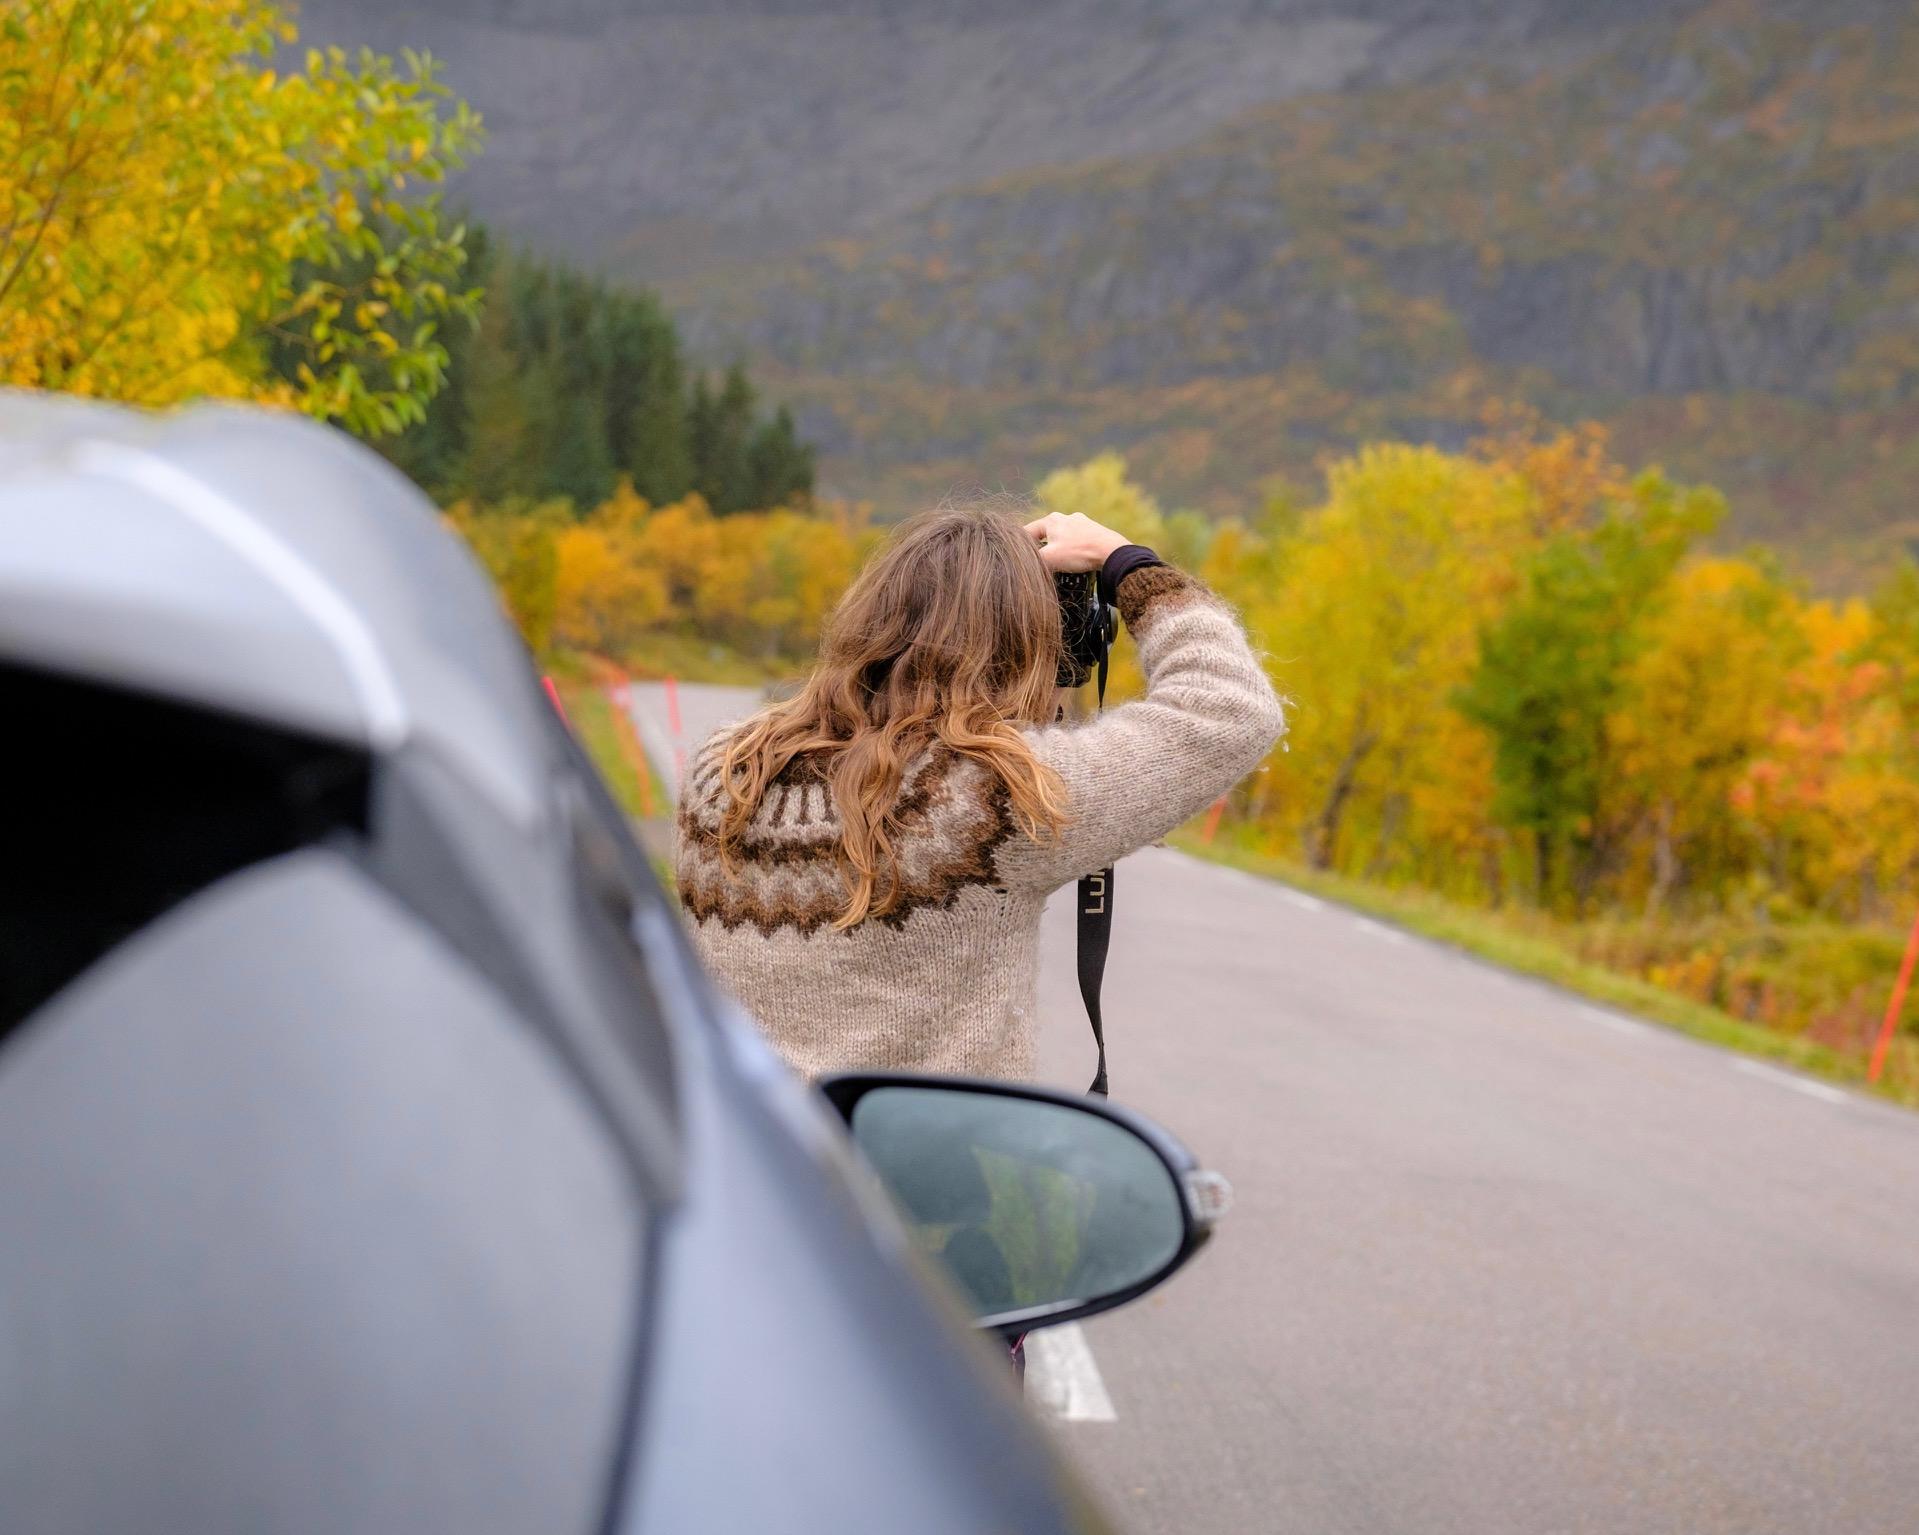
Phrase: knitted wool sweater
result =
(946, 982)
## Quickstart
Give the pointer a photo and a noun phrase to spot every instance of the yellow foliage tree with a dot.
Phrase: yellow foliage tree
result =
(171, 208)
(758, 583)
(1101, 490)
(1832, 794)
(1372, 625)
(520, 553)
(604, 598)
(1701, 702)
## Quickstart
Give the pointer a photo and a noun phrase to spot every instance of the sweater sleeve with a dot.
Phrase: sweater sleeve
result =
(1134, 773)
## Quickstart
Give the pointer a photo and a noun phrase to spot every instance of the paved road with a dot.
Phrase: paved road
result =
(673, 721)
(1500, 1261)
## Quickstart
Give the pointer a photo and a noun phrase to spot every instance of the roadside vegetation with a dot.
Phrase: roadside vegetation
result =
(186, 215)
(588, 690)
(673, 589)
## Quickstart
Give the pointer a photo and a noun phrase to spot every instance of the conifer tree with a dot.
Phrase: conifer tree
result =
(569, 384)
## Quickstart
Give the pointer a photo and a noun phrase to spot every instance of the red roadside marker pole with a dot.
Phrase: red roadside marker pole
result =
(1212, 820)
(1895, 1007)
(630, 742)
(673, 723)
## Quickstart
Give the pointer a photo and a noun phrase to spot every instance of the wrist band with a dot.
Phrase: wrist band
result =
(1120, 564)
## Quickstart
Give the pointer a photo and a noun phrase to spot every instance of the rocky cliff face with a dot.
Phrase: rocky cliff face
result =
(970, 239)
(662, 126)
(1701, 209)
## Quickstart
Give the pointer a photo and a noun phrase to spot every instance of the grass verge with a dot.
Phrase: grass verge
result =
(694, 660)
(1483, 934)
(614, 747)
(608, 740)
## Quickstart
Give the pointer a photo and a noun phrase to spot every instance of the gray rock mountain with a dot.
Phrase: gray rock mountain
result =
(657, 133)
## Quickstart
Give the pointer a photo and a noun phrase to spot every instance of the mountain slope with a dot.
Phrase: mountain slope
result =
(678, 128)
(1649, 222)
(1231, 237)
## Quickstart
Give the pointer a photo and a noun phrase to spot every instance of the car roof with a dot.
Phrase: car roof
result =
(257, 563)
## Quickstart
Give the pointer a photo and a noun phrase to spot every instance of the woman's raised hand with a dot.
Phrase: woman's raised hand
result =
(1073, 542)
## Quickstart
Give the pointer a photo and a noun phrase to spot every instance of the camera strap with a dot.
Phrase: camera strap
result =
(1096, 930)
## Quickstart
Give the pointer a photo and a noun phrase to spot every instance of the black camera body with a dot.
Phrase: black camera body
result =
(1087, 627)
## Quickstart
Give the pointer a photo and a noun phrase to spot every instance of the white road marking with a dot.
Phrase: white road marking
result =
(1062, 1377)
(1798, 1084)
(1614, 1022)
(1379, 930)
(1301, 899)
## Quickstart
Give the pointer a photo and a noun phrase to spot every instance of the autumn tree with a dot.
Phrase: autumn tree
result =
(1569, 471)
(1697, 705)
(1101, 489)
(1553, 668)
(758, 583)
(607, 594)
(1894, 643)
(518, 545)
(1371, 623)
(171, 204)
(1834, 795)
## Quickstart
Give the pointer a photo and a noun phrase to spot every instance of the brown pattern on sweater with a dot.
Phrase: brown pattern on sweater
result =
(767, 835)
(950, 821)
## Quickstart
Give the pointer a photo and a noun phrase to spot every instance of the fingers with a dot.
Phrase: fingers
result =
(1049, 532)
(1072, 542)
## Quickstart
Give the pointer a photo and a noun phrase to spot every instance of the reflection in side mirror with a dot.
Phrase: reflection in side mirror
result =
(1040, 1206)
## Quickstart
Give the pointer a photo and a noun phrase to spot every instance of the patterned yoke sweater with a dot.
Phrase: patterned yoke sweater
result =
(946, 982)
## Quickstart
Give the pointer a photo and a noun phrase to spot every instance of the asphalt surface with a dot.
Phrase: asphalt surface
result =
(673, 719)
(1499, 1260)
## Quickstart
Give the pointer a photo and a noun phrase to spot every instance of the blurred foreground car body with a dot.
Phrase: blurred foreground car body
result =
(373, 1155)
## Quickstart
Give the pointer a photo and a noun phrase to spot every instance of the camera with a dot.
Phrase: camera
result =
(1086, 627)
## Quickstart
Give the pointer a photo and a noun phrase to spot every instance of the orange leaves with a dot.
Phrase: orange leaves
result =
(1834, 789)
(1569, 470)
(758, 583)
(603, 593)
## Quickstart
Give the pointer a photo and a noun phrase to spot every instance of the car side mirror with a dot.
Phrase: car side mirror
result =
(1042, 1206)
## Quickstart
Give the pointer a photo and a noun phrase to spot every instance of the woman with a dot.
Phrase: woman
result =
(865, 863)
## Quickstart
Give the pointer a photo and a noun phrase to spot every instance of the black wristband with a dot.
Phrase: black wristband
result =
(1120, 564)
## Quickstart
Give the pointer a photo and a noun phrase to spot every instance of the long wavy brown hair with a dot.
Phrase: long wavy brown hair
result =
(949, 637)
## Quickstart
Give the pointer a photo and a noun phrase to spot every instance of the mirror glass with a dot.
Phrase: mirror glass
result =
(1026, 1204)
